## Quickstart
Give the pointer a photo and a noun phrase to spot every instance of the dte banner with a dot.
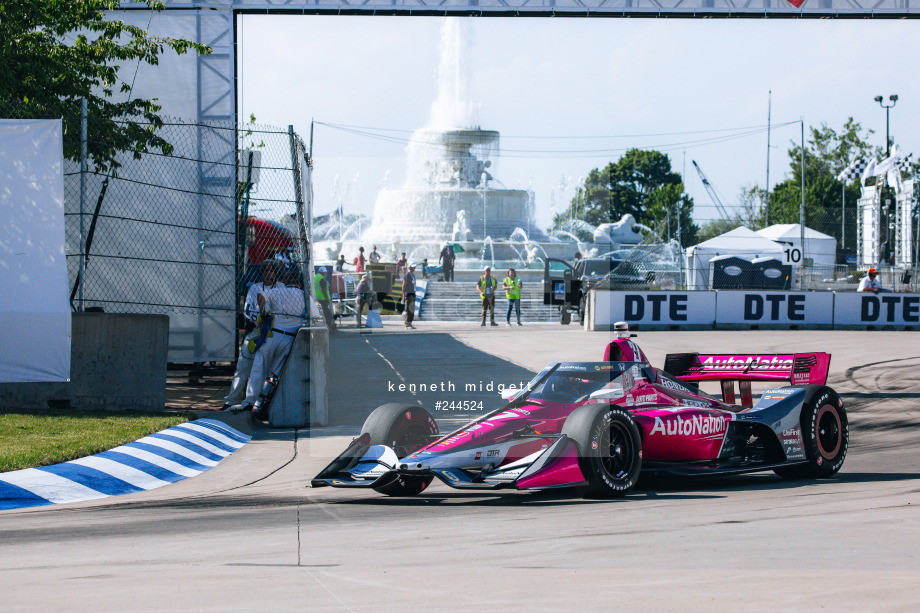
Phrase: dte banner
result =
(808, 309)
(884, 309)
(690, 309)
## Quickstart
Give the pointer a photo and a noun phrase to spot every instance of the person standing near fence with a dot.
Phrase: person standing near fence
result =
(269, 272)
(286, 305)
(363, 296)
(513, 286)
(374, 257)
(408, 292)
(359, 261)
(486, 286)
(324, 297)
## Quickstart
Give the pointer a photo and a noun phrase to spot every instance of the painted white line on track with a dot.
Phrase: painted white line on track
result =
(214, 434)
(159, 461)
(178, 449)
(52, 487)
(134, 477)
(198, 442)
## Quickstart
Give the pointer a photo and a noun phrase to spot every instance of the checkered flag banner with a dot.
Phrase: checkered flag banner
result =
(853, 171)
(906, 163)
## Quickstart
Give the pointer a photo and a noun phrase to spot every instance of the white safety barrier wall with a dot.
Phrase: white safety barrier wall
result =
(753, 309)
(886, 309)
(686, 310)
(774, 309)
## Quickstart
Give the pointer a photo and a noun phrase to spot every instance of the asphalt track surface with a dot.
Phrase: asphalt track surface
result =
(249, 536)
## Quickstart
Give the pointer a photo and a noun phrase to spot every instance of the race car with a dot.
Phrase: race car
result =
(596, 425)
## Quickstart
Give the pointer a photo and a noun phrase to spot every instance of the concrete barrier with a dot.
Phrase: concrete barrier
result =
(117, 361)
(301, 398)
(754, 309)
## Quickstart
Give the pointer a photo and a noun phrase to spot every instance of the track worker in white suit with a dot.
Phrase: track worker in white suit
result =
(286, 305)
(269, 271)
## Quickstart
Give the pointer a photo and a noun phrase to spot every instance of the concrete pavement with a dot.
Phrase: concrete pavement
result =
(249, 535)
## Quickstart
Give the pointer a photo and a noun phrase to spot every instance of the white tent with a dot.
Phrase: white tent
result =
(742, 242)
(819, 246)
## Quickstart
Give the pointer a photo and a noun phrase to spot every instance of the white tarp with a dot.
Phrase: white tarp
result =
(741, 242)
(819, 246)
(35, 334)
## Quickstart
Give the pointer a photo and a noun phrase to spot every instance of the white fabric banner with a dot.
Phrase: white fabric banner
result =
(34, 308)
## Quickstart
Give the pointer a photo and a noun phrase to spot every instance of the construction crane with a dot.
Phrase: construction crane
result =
(712, 192)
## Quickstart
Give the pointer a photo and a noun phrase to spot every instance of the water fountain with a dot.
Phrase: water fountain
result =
(450, 194)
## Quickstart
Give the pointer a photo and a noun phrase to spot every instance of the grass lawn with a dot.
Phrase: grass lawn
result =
(30, 438)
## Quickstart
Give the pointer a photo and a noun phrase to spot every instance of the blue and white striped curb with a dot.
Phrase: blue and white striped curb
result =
(156, 460)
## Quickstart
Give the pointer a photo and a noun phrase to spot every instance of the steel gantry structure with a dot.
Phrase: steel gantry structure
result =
(203, 89)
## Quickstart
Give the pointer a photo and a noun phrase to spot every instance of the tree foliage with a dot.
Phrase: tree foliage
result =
(55, 53)
(640, 183)
(827, 153)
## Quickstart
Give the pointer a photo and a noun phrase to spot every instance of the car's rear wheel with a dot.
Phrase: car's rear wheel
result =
(825, 433)
(406, 429)
(581, 309)
(609, 448)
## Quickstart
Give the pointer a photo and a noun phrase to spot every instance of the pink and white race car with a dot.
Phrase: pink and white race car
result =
(597, 425)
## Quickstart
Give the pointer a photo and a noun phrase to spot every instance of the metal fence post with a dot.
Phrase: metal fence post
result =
(298, 201)
(83, 169)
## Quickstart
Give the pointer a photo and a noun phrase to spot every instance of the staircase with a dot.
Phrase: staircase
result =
(458, 301)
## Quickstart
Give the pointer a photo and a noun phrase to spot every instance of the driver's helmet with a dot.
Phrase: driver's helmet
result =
(622, 348)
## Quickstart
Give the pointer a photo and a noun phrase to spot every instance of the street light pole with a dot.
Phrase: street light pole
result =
(884, 213)
(894, 100)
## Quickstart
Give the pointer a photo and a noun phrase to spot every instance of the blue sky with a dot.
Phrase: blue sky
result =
(682, 80)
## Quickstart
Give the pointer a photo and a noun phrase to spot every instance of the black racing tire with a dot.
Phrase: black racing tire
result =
(581, 310)
(825, 432)
(405, 428)
(609, 449)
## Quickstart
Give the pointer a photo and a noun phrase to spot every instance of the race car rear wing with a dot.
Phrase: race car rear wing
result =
(810, 368)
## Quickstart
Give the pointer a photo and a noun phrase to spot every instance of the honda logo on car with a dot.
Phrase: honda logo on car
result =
(695, 425)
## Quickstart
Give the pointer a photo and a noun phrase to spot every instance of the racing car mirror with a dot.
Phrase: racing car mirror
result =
(608, 393)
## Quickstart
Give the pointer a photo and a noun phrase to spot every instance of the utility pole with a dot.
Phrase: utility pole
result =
(766, 201)
(802, 205)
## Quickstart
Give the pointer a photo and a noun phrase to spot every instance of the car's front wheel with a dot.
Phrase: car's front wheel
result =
(406, 429)
(609, 448)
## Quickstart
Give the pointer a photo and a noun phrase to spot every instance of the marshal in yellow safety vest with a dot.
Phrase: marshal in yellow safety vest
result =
(482, 286)
(512, 287)
(319, 283)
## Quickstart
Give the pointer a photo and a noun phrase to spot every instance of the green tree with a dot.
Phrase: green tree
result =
(640, 183)
(827, 153)
(55, 53)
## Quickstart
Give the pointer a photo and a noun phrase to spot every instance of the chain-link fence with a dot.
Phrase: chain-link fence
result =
(865, 227)
(179, 230)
